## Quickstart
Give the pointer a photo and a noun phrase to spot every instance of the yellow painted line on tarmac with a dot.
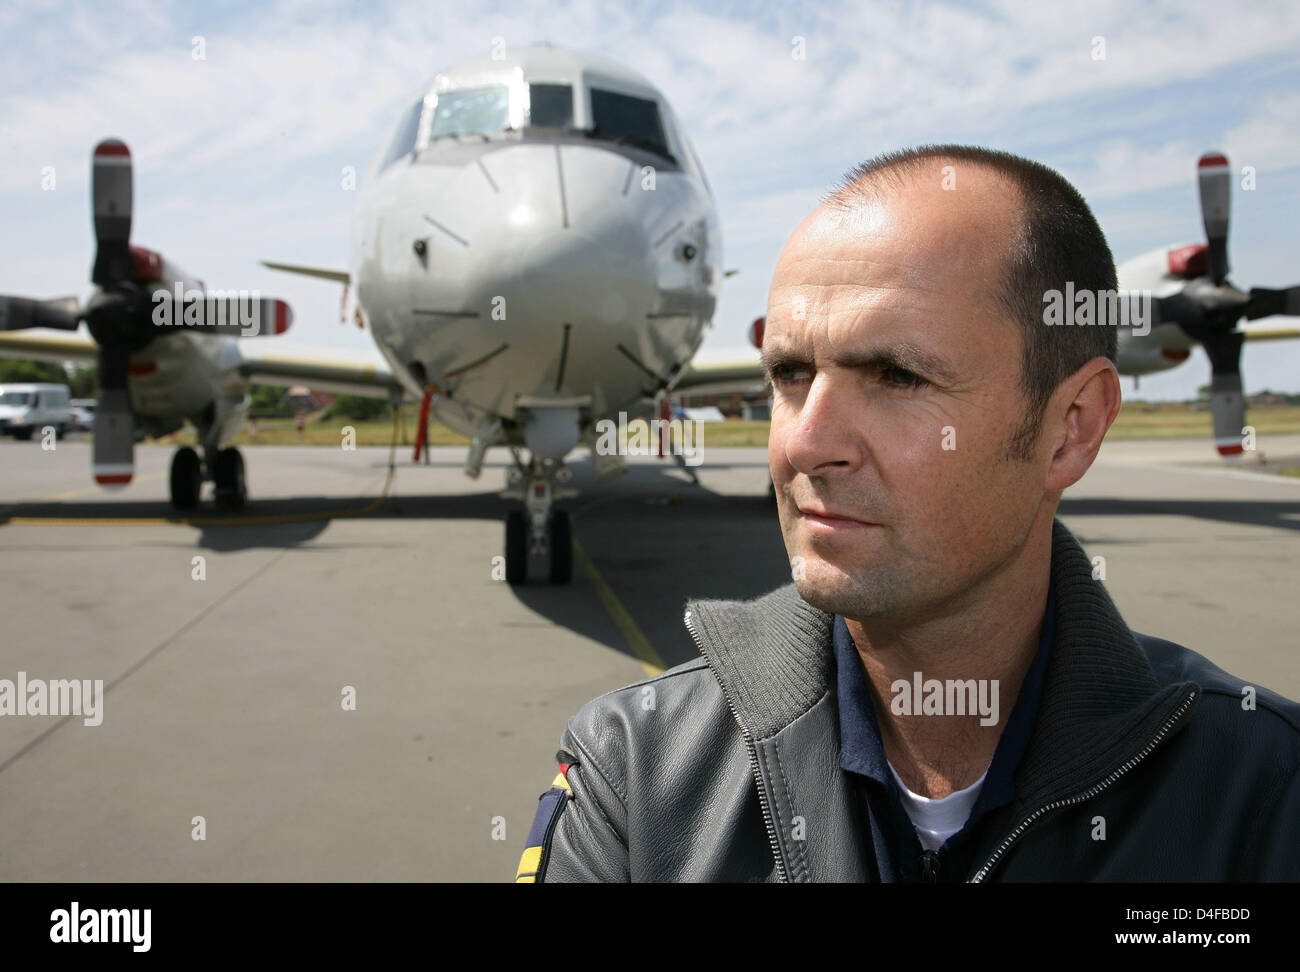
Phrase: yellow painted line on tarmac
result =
(632, 634)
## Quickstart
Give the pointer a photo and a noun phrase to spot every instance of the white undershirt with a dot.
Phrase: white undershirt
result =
(937, 820)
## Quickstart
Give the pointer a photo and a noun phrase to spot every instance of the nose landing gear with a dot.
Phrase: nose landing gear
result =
(538, 530)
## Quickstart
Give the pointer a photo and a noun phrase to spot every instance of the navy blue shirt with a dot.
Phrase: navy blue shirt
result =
(898, 851)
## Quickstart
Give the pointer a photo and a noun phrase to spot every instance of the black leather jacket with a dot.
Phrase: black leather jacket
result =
(699, 774)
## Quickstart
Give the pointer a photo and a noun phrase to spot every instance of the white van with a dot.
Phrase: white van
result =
(25, 409)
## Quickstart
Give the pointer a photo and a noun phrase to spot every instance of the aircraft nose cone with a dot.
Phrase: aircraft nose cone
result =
(562, 234)
(596, 272)
(557, 254)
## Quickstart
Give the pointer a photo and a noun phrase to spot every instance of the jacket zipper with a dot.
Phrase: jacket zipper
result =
(753, 766)
(1087, 794)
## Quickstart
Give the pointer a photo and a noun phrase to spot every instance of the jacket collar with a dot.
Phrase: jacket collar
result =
(1101, 702)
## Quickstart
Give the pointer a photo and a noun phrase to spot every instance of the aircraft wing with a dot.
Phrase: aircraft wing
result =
(360, 372)
(737, 372)
(339, 276)
(56, 346)
(1272, 334)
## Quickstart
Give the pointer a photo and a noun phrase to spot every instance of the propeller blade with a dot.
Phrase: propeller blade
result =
(111, 209)
(1215, 204)
(1266, 301)
(235, 316)
(19, 313)
(113, 452)
(1227, 403)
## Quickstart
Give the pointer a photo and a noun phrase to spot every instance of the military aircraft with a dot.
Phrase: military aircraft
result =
(535, 249)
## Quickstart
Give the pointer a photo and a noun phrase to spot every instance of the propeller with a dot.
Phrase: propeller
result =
(1216, 200)
(112, 312)
(1209, 308)
(19, 313)
(128, 308)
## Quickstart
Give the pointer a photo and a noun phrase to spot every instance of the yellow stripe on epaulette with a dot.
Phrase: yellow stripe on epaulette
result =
(560, 781)
(528, 862)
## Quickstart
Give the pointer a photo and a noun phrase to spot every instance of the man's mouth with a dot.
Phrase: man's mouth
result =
(824, 520)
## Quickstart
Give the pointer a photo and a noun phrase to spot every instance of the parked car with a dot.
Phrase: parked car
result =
(27, 408)
(83, 413)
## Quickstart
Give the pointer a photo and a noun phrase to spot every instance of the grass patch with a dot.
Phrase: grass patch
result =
(1166, 420)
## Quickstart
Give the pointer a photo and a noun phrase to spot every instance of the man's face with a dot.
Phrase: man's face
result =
(896, 387)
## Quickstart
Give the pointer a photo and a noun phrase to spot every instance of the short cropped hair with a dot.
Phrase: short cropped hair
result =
(1058, 241)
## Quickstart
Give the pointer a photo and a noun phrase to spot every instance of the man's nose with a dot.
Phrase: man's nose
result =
(820, 436)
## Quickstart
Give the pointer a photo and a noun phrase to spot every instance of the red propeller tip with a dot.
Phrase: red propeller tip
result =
(111, 147)
(1207, 161)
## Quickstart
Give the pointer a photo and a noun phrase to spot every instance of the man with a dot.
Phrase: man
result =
(945, 692)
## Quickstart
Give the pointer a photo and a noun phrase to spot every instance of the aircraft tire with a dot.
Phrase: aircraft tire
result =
(516, 547)
(561, 544)
(228, 474)
(186, 479)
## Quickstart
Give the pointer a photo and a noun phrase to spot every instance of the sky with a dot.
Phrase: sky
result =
(239, 154)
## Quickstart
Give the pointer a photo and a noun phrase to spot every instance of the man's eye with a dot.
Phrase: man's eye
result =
(785, 373)
(901, 378)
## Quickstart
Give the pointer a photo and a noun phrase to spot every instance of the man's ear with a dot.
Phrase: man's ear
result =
(1082, 410)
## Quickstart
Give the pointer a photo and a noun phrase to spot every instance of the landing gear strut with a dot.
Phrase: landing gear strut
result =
(538, 529)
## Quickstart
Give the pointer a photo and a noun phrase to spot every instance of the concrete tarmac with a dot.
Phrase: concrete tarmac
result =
(224, 695)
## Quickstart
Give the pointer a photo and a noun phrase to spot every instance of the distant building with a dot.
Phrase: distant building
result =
(300, 398)
(730, 404)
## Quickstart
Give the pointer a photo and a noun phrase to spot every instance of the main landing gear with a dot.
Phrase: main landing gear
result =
(538, 530)
(227, 474)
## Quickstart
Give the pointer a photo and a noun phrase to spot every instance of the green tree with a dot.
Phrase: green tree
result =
(268, 401)
(15, 371)
(84, 381)
(359, 407)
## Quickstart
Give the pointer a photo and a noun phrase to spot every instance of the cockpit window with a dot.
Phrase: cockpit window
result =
(626, 119)
(550, 105)
(470, 111)
(403, 141)
(16, 398)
